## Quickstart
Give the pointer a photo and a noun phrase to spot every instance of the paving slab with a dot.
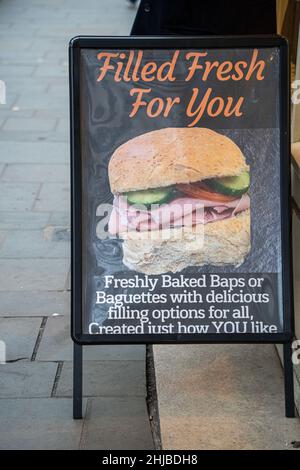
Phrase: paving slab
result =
(46, 71)
(8, 71)
(27, 379)
(34, 152)
(68, 281)
(106, 378)
(21, 220)
(58, 234)
(29, 124)
(57, 86)
(19, 335)
(53, 197)
(42, 101)
(52, 113)
(116, 424)
(34, 303)
(17, 196)
(39, 424)
(33, 274)
(33, 136)
(57, 54)
(59, 218)
(56, 345)
(15, 86)
(222, 397)
(33, 244)
(63, 125)
(27, 59)
(15, 113)
(2, 238)
(32, 172)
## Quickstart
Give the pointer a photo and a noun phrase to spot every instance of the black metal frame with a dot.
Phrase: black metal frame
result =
(188, 42)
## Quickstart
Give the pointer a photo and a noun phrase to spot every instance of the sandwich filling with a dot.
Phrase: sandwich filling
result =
(180, 205)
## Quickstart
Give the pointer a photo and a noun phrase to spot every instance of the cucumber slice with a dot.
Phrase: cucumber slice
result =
(232, 185)
(148, 197)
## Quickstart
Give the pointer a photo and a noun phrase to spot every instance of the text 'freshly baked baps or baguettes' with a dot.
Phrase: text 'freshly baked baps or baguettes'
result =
(172, 182)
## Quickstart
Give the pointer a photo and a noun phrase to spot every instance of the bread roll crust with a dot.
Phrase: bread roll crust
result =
(225, 242)
(171, 156)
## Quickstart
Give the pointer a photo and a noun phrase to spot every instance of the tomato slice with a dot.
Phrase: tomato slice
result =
(202, 191)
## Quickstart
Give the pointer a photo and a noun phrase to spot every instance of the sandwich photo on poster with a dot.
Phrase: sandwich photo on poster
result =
(180, 156)
(169, 181)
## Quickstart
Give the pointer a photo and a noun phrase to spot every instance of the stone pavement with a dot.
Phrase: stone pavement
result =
(35, 384)
(227, 397)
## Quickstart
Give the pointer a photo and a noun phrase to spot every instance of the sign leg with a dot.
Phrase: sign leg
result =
(77, 381)
(288, 381)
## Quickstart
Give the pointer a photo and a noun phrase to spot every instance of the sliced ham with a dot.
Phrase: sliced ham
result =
(182, 211)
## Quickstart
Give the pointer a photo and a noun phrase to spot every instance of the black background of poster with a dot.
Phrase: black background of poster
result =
(105, 113)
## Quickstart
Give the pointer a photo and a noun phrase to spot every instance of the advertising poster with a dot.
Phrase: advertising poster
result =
(179, 211)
